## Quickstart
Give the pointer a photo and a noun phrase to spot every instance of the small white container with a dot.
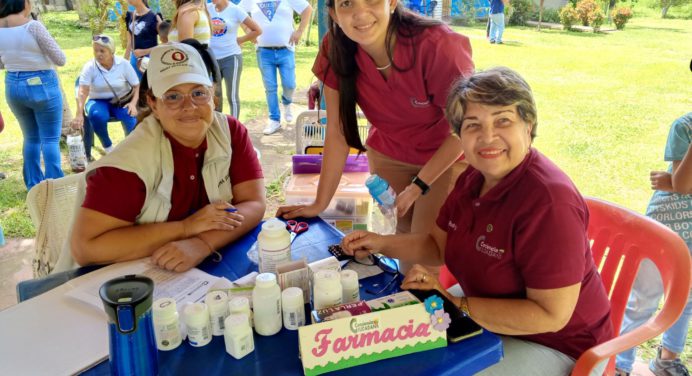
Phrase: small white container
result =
(293, 307)
(327, 289)
(217, 302)
(197, 321)
(241, 304)
(274, 245)
(238, 336)
(266, 303)
(350, 289)
(166, 324)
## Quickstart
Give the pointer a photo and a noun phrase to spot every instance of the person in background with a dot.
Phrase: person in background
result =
(497, 233)
(167, 210)
(29, 54)
(163, 28)
(398, 72)
(671, 205)
(191, 20)
(276, 51)
(142, 31)
(226, 17)
(104, 80)
(497, 20)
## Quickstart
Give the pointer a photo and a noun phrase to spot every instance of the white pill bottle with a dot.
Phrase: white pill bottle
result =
(266, 304)
(327, 291)
(274, 245)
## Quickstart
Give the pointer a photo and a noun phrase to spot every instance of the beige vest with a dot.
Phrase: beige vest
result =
(147, 153)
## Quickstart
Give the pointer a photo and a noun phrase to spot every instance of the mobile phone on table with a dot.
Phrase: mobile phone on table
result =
(462, 326)
(338, 252)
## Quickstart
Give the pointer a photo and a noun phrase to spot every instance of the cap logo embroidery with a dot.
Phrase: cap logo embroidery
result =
(174, 57)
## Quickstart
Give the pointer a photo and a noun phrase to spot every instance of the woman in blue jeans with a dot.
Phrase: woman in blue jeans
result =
(32, 88)
(102, 80)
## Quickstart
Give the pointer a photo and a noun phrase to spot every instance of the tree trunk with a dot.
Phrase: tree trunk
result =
(540, 14)
(664, 11)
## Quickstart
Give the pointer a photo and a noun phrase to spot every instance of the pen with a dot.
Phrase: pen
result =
(231, 210)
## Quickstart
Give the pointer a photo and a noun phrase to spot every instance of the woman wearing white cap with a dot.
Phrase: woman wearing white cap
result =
(188, 180)
(112, 88)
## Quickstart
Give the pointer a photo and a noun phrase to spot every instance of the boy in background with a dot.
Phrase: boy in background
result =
(163, 28)
(671, 205)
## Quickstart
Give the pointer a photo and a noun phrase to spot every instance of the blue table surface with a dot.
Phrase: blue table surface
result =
(278, 354)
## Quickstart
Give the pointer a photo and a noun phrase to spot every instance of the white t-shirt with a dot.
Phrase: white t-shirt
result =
(275, 17)
(224, 30)
(120, 74)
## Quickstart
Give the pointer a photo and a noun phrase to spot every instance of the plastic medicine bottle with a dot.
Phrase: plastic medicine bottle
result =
(266, 303)
(350, 289)
(198, 325)
(385, 197)
(238, 336)
(217, 302)
(241, 304)
(166, 324)
(293, 307)
(274, 245)
(327, 289)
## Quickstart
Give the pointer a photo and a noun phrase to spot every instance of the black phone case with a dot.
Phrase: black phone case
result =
(336, 251)
(462, 326)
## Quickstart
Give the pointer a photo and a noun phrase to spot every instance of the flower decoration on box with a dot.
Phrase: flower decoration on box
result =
(440, 320)
(433, 303)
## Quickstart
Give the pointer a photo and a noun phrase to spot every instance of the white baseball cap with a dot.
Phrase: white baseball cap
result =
(174, 64)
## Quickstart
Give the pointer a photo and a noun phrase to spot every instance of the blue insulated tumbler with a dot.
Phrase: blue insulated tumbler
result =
(127, 301)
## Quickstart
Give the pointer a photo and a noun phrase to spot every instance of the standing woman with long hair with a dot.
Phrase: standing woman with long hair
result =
(29, 54)
(143, 36)
(191, 20)
(226, 17)
(397, 67)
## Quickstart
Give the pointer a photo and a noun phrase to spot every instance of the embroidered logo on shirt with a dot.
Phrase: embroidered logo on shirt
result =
(269, 8)
(218, 27)
(487, 249)
(420, 104)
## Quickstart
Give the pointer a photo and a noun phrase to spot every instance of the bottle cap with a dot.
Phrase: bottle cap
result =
(265, 280)
(164, 308)
(349, 278)
(292, 297)
(236, 321)
(196, 314)
(217, 301)
(239, 304)
(273, 228)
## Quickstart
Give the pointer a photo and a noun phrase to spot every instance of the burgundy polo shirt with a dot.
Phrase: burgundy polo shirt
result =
(121, 194)
(407, 110)
(529, 231)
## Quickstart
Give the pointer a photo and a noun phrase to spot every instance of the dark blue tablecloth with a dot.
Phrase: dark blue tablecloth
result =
(278, 354)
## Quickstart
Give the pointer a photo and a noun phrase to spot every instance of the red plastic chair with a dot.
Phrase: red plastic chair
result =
(621, 239)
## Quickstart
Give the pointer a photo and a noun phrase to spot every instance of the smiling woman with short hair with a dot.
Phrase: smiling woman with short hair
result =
(513, 233)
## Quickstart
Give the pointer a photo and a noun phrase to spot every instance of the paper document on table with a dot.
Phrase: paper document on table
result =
(186, 287)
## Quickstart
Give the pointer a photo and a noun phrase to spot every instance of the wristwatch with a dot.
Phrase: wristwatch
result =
(421, 184)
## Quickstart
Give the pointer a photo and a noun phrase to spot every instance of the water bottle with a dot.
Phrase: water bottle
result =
(384, 221)
(77, 155)
(127, 301)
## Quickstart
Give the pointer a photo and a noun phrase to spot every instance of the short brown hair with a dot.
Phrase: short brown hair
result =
(499, 86)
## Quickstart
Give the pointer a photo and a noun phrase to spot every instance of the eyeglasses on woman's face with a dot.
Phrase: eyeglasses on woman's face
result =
(174, 99)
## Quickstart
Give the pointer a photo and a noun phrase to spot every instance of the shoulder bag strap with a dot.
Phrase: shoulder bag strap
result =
(104, 78)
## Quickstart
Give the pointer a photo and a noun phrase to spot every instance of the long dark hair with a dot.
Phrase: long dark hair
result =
(342, 59)
(9, 7)
(209, 63)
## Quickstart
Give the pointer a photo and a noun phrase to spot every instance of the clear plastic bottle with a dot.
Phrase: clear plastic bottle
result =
(77, 155)
(166, 324)
(266, 303)
(384, 221)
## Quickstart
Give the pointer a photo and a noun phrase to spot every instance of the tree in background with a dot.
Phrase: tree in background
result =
(666, 4)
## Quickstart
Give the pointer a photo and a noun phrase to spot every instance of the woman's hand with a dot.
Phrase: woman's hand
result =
(77, 122)
(140, 52)
(661, 181)
(181, 255)
(131, 108)
(212, 217)
(406, 198)
(419, 278)
(294, 211)
(361, 241)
